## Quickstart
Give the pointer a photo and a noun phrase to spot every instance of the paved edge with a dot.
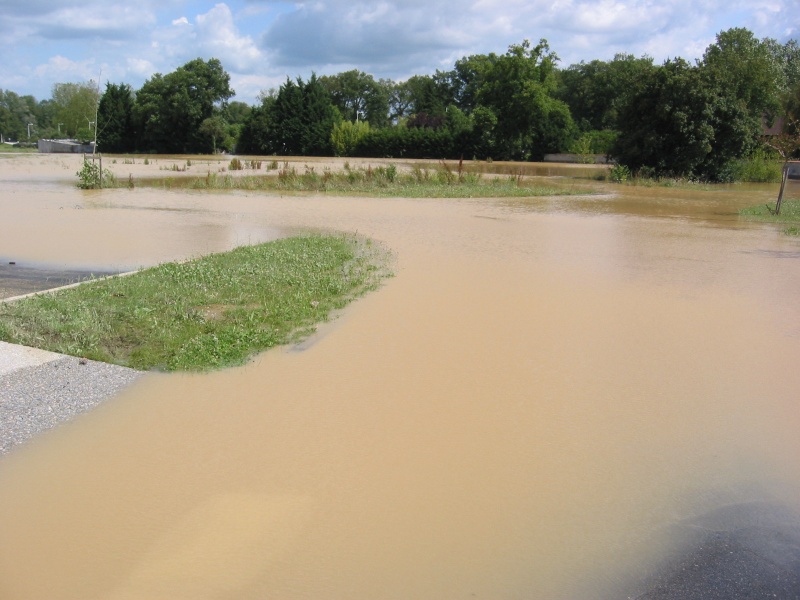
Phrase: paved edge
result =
(14, 357)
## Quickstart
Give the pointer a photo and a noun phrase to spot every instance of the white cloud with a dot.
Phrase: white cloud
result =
(218, 35)
(260, 41)
(213, 34)
(63, 69)
(139, 67)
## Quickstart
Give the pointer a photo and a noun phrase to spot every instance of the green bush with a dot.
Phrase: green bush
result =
(759, 168)
(90, 178)
(619, 174)
(346, 136)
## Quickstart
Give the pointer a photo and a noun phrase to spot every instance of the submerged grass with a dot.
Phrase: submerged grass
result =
(384, 181)
(211, 312)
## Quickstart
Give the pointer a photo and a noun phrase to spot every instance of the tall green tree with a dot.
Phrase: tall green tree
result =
(467, 77)
(744, 68)
(358, 97)
(595, 91)
(115, 128)
(170, 109)
(254, 137)
(429, 94)
(76, 108)
(683, 122)
(16, 112)
(298, 120)
(518, 89)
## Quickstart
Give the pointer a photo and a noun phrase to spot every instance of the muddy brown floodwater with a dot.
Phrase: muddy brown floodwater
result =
(545, 389)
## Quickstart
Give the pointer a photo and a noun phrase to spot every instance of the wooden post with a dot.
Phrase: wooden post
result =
(783, 186)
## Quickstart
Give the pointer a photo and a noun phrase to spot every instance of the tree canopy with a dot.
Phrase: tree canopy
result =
(676, 119)
(116, 131)
(170, 109)
(298, 120)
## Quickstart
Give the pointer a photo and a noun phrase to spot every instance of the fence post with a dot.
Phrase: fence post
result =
(783, 186)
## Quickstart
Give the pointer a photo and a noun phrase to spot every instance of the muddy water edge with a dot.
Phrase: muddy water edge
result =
(536, 405)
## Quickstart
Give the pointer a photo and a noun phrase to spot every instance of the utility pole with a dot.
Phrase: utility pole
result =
(29, 131)
(96, 112)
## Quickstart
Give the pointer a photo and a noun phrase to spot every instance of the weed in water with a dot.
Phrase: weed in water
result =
(90, 177)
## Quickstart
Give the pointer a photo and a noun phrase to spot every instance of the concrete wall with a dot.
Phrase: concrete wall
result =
(70, 146)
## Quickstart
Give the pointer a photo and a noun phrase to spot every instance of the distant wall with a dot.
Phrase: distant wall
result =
(70, 146)
(597, 159)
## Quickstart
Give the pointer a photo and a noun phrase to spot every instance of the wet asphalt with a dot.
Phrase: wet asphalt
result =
(18, 279)
(743, 551)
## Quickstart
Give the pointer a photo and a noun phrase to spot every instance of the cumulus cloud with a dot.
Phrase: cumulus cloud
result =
(376, 36)
(390, 36)
(69, 19)
(61, 69)
(206, 35)
(218, 35)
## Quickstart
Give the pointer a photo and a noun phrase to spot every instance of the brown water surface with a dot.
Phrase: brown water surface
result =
(544, 387)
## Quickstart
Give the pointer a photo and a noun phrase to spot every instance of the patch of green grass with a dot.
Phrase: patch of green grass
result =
(383, 181)
(211, 312)
(790, 213)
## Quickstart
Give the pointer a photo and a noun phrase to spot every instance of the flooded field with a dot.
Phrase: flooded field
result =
(547, 401)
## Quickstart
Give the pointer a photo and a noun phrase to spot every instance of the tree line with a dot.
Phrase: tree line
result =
(673, 119)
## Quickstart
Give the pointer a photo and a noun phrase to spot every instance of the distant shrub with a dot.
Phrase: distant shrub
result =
(619, 174)
(346, 136)
(759, 168)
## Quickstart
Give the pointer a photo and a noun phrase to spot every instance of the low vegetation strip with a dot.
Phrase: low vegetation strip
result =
(383, 181)
(210, 312)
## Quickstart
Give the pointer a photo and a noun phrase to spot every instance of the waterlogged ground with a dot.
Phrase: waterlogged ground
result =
(529, 409)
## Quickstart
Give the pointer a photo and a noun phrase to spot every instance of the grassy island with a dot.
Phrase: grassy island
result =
(206, 313)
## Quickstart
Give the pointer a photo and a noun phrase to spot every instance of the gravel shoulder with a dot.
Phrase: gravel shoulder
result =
(40, 390)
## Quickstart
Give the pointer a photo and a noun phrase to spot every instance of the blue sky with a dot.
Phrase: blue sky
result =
(261, 42)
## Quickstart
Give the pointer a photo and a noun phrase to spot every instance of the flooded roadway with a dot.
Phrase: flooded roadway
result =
(532, 408)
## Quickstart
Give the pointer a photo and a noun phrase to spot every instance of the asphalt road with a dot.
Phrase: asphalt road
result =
(18, 279)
